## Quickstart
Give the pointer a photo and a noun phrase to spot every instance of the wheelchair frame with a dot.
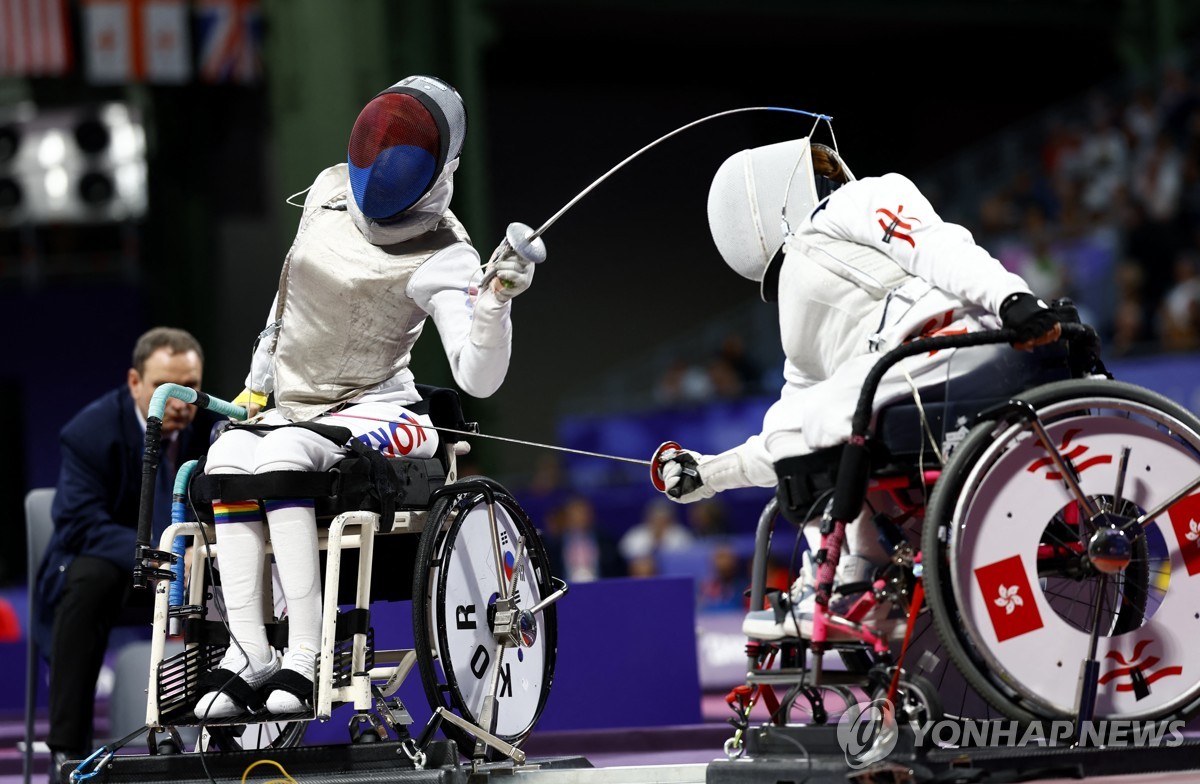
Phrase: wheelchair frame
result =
(356, 674)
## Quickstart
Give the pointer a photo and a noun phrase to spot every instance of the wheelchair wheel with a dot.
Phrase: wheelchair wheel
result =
(917, 700)
(267, 735)
(461, 657)
(1019, 571)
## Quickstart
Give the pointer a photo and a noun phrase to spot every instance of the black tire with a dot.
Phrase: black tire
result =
(983, 465)
(917, 701)
(442, 670)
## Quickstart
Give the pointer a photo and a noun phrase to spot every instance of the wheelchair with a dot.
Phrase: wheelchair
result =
(1041, 518)
(462, 548)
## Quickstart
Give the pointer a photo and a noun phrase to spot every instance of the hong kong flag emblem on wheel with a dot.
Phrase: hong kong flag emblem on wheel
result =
(1185, 519)
(1009, 598)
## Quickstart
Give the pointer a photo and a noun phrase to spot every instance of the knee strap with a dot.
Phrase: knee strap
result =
(804, 481)
(272, 485)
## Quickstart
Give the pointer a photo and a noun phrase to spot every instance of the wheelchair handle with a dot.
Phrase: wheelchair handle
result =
(861, 422)
(154, 414)
(178, 545)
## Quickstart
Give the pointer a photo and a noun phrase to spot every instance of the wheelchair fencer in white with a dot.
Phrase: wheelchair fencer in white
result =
(1045, 548)
(858, 266)
(484, 623)
(1039, 519)
(377, 252)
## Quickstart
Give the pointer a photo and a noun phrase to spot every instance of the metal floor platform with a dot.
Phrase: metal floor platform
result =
(379, 762)
(788, 755)
(791, 755)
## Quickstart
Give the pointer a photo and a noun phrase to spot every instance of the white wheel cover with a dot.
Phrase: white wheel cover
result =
(993, 567)
(471, 586)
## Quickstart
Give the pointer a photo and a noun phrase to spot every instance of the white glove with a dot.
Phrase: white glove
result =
(682, 480)
(508, 272)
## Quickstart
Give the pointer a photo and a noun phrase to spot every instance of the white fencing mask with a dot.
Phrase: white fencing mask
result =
(746, 207)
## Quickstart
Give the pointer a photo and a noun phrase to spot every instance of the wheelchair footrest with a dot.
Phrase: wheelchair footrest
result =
(177, 679)
(787, 677)
(179, 675)
(257, 718)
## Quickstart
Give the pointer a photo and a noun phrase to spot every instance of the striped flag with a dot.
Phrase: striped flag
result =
(35, 38)
(137, 41)
(229, 34)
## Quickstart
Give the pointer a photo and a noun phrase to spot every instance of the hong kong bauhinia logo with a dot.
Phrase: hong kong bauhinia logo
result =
(1010, 598)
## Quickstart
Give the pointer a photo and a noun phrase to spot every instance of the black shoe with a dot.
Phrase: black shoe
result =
(64, 759)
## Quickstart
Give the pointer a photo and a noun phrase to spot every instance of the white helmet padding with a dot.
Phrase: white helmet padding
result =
(746, 199)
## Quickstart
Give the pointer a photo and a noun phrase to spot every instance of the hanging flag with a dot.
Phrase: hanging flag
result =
(229, 35)
(35, 38)
(168, 53)
(108, 50)
(136, 41)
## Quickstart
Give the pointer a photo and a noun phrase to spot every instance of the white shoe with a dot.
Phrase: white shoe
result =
(233, 686)
(296, 675)
(794, 618)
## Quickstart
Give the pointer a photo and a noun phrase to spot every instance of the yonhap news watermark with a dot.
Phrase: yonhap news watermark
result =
(869, 732)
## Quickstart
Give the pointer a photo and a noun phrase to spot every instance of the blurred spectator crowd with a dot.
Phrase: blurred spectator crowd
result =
(666, 539)
(1107, 212)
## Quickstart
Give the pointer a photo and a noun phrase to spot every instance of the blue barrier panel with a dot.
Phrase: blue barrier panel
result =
(626, 658)
(1176, 376)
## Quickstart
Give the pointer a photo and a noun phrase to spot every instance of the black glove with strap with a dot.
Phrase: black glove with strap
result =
(1028, 316)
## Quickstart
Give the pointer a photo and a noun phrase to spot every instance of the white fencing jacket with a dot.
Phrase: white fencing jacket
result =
(871, 267)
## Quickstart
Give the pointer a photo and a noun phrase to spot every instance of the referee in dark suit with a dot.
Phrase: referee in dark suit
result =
(85, 580)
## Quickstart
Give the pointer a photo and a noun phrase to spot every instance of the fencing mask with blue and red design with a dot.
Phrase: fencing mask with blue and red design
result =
(401, 143)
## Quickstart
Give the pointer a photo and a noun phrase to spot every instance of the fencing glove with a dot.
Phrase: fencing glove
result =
(680, 472)
(513, 274)
(689, 476)
(1028, 316)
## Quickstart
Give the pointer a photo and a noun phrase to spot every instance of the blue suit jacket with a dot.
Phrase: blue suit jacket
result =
(99, 489)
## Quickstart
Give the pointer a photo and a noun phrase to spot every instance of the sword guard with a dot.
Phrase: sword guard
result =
(518, 236)
(656, 464)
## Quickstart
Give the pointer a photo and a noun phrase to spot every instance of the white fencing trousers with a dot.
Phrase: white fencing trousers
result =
(389, 428)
